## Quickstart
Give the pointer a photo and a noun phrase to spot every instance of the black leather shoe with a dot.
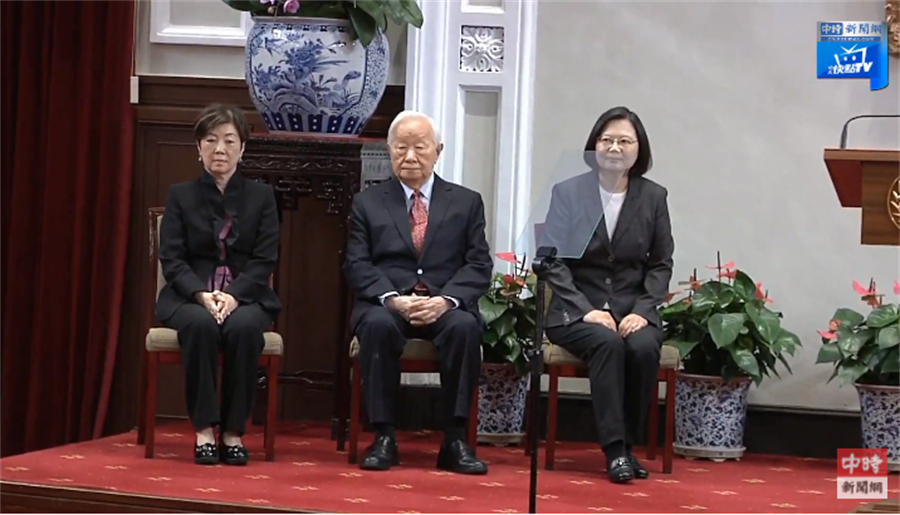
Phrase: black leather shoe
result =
(381, 455)
(234, 454)
(458, 457)
(639, 471)
(206, 454)
(619, 470)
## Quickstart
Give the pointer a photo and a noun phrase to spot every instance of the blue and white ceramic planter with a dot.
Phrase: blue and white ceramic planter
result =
(709, 416)
(880, 407)
(307, 75)
(501, 404)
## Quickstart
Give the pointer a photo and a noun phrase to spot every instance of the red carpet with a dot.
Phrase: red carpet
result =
(309, 474)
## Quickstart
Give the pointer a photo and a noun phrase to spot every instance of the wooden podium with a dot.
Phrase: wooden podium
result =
(869, 179)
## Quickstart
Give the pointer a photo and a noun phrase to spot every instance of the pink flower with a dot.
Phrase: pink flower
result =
(291, 6)
(896, 287)
(727, 266)
(505, 256)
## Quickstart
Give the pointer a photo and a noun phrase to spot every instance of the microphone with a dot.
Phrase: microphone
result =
(844, 130)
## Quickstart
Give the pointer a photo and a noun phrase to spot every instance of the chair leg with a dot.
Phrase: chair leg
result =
(150, 403)
(552, 400)
(669, 444)
(142, 400)
(271, 405)
(472, 437)
(653, 422)
(355, 407)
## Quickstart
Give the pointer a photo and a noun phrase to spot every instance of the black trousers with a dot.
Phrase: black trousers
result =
(240, 341)
(382, 335)
(622, 375)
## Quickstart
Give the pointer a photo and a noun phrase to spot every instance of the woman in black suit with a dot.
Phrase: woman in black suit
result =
(218, 249)
(612, 226)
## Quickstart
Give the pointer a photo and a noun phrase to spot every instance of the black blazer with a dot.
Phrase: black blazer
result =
(188, 252)
(455, 262)
(630, 274)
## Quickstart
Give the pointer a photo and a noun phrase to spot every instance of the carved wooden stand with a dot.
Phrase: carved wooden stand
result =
(315, 179)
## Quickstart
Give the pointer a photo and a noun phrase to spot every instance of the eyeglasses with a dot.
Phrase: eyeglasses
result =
(608, 142)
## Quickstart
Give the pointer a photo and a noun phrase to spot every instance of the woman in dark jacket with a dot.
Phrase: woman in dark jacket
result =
(218, 249)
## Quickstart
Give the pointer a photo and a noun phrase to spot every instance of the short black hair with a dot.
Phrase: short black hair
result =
(644, 161)
(218, 114)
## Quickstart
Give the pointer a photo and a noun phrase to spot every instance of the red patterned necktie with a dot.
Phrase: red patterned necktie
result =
(418, 220)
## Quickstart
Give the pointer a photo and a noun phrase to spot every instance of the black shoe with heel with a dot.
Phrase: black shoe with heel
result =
(206, 454)
(233, 454)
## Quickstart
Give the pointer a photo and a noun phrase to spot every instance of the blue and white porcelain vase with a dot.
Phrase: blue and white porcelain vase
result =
(308, 75)
(710, 415)
(501, 404)
(880, 410)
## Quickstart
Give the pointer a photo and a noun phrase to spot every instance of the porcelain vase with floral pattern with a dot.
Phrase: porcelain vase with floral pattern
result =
(880, 414)
(710, 415)
(309, 75)
(501, 404)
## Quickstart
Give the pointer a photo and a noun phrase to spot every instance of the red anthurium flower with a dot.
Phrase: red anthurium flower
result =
(760, 294)
(508, 279)
(896, 287)
(862, 290)
(508, 256)
(833, 325)
(730, 274)
(692, 282)
(826, 335)
(727, 266)
(671, 295)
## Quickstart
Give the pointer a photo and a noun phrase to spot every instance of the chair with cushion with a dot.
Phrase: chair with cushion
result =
(560, 363)
(161, 347)
(419, 356)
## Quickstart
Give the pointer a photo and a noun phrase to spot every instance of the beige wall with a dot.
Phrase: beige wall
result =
(738, 123)
(195, 60)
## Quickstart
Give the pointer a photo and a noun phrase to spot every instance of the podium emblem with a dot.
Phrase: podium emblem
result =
(893, 202)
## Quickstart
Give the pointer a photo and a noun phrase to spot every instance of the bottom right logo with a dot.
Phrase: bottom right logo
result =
(862, 474)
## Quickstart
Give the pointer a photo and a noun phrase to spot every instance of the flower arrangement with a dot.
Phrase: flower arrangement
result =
(723, 327)
(865, 349)
(508, 311)
(367, 16)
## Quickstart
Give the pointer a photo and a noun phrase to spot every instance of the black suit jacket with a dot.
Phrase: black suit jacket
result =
(629, 274)
(188, 252)
(455, 261)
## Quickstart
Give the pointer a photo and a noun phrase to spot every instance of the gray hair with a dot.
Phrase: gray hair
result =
(409, 114)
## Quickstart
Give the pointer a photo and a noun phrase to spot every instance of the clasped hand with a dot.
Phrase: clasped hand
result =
(219, 304)
(418, 311)
(630, 324)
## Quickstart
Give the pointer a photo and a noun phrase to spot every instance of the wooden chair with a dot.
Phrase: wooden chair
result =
(161, 347)
(419, 356)
(560, 363)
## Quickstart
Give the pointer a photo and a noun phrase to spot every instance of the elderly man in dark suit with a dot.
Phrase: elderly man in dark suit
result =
(418, 262)
(612, 225)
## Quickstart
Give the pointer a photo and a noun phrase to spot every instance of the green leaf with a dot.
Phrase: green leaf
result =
(829, 353)
(411, 13)
(786, 342)
(364, 25)
(672, 309)
(491, 310)
(787, 365)
(745, 360)
(725, 327)
(744, 286)
(891, 362)
(848, 374)
(684, 347)
(376, 10)
(850, 342)
(883, 316)
(848, 317)
(888, 337)
(705, 298)
(505, 325)
(765, 320)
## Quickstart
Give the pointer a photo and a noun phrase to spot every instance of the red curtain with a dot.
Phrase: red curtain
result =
(67, 147)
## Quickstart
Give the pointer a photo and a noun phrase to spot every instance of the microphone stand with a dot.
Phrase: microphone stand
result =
(843, 143)
(541, 264)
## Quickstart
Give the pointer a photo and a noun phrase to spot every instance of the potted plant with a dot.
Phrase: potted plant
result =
(727, 337)
(320, 66)
(508, 311)
(865, 350)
